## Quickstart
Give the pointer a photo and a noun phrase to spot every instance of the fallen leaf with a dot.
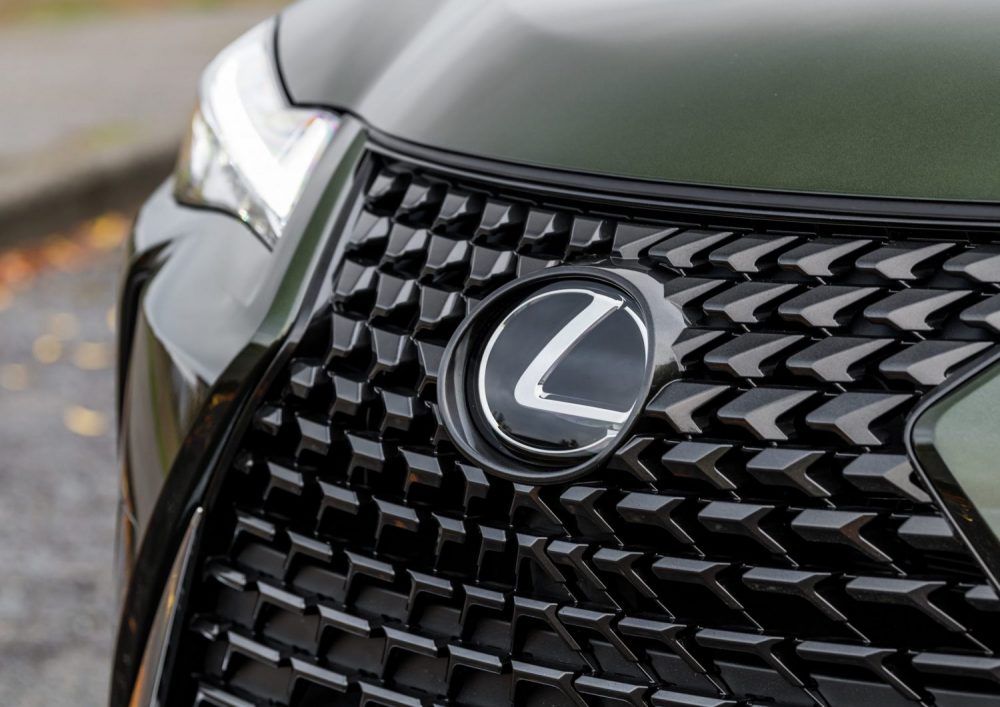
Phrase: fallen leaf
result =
(47, 349)
(93, 356)
(84, 421)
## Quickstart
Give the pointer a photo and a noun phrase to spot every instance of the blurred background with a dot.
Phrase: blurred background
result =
(94, 97)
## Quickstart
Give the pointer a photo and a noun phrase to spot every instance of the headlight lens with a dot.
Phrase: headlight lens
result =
(248, 151)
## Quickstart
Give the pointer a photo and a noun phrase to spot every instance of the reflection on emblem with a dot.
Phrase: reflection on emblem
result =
(530, 391)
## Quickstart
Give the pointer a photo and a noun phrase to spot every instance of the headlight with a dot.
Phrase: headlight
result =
(248, 151)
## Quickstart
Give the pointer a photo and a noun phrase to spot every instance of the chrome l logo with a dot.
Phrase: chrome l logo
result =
(530, 388)
(544, 403)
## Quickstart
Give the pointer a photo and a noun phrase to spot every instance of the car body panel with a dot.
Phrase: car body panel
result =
(886, 98)
(170, 450)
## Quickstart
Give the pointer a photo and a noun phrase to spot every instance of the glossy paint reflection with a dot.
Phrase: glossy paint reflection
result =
(888, 98)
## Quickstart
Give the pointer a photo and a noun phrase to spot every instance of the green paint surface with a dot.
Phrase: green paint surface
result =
(897, 98)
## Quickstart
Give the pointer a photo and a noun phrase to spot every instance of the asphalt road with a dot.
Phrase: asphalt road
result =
(57, 469)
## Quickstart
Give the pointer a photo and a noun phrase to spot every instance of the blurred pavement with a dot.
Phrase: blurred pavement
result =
(58, 481)
(84, 102)
(82, 105)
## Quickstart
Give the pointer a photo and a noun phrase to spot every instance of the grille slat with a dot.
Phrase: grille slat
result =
(761, 537)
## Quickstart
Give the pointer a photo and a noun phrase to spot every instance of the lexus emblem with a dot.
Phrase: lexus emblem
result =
(547, 376)
(543, 383)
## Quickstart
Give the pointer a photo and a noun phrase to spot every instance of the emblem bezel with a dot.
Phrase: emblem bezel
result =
(459, 408)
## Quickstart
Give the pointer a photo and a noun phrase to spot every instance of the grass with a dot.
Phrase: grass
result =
(69, 10)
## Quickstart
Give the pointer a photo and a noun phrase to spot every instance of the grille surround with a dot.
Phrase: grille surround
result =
(612, 640)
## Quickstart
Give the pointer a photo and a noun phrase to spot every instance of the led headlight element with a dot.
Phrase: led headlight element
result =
(248, 151)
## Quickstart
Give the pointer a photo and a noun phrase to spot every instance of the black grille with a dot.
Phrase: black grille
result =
(760, 539)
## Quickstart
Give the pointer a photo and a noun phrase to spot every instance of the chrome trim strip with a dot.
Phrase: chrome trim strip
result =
(148, 689)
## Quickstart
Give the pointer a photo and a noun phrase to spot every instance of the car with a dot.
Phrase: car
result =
(570, 353)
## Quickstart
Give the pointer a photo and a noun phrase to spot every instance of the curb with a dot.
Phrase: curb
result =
(53, 198)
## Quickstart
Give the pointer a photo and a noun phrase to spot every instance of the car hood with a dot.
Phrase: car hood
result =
(896, 98)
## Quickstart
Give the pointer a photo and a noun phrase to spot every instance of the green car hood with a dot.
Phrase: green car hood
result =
(893, 98)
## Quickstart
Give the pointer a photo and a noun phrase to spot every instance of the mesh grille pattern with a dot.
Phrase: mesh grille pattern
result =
(759, 539)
